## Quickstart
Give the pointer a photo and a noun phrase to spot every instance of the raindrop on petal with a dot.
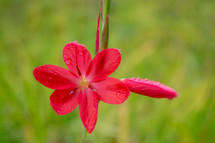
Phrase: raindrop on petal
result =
(117, 93)
(170, 97)
(67, 62)
(62, 108)
(71, 92)
(80, 53)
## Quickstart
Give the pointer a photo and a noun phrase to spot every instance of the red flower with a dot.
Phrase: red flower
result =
(84, 83)
(149, 88)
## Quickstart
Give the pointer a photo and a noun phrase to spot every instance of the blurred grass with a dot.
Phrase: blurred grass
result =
(168, 41)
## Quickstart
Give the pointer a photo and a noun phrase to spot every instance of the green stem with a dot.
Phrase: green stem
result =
(84, 136)
(105, 25)
(101, 13)
(106, 9)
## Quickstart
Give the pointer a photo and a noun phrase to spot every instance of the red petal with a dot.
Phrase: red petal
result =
(77, 58)
(54, 77)
(88, 109)
(111, 91)
(64, 101)
(149, 88)
(104, 63)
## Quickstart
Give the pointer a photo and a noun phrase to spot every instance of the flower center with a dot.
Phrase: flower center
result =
(84, 83)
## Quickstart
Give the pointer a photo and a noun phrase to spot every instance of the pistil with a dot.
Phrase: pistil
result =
(84, 83)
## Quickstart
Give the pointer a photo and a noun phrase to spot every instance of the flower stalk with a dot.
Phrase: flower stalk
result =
(105, 24)
(106, 9)
(84, 136)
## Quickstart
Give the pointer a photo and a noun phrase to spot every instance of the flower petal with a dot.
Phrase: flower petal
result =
(64, 101)
(88, 109)
(54, 77)
(111, 90)
(149, 88)
(77, 58)
(104, 63)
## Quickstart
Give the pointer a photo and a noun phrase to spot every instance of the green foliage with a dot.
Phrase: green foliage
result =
(168, 41)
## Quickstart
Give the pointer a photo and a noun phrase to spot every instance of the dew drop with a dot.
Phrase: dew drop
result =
(71, 92)
(170, 97)
(67, 62)
(50, 78)
(80, 53)
(117, 93)
(65, 56)
(146, 80)
(62, 108)
(138, 79)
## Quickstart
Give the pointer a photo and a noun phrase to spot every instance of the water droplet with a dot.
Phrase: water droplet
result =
(67, 62)
(117, 93)
(71, 92)
(137, 79)
(62, 108)
(55, 73)
(80, 53)
(50, 78)
(94, 90)
(65, 56)
(146, 80)
(170, 97)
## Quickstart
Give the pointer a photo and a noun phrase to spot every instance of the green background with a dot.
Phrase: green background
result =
(171, 41)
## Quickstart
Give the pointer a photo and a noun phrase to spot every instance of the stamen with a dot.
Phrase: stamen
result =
(84, 83)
